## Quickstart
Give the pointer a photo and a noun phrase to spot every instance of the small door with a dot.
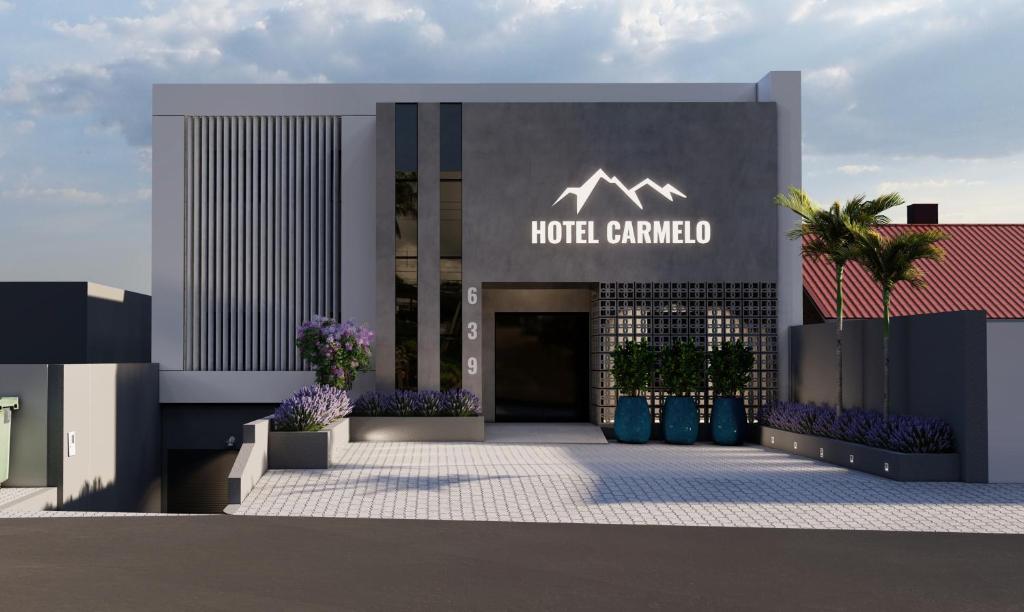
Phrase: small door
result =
(542, 367)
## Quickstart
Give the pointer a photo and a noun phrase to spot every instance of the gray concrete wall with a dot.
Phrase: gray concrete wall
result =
(113, 410)
(519, 158)
(384, 347)
(72, 322)
(497, 298)
(937, 369)
(114, 413)
(428, 248)
(1005, 406)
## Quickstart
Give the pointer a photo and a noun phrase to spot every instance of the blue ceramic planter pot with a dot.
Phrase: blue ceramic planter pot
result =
(632, 420)
(728, 421)
(680, 420)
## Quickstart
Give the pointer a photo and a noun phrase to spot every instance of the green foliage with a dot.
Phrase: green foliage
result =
(893, 260)
(832, 232)
(684, 368)
(730, 367)
(632, 366)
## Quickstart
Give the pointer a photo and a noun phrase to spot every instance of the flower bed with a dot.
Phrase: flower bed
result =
(452, 403)
(900, 433)
(418, 416)
(307, 427)
(899, 447)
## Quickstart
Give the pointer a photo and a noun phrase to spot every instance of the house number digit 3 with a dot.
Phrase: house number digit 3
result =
(471, 365)
(471, 330)
(471, 295)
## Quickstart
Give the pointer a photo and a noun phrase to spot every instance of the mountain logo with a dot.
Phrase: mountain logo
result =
(583, 192)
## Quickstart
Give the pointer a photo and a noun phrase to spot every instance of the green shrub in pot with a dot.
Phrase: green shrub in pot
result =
(684, 374)
(729, 368)
(632, 369)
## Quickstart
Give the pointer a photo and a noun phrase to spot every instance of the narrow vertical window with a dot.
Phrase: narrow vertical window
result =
(451, 246)
(406, 244)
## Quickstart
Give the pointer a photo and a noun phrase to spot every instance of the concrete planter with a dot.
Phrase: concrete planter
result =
(417, 429)
(906, 467)
(306, 450)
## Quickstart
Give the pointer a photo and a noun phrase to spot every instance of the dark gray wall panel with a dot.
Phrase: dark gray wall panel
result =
(937, 368)
(262, 237)
(384, 347)
(428, 307)
(73, 323)
(520, 157)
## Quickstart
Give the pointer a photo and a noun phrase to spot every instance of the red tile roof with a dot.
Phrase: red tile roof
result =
(983, 270)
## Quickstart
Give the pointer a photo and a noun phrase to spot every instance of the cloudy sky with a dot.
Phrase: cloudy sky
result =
(925, 98)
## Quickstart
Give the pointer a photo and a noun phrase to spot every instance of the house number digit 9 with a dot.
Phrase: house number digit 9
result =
(471, 330)
(471, 296)
(471, 365)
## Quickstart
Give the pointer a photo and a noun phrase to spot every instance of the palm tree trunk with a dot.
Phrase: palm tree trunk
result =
(885, 352)
(839, 338)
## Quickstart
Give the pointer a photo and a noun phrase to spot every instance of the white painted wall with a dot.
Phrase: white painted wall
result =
(1005, 404)
(784, 89)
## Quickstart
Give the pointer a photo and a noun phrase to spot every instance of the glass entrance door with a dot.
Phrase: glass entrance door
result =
(542, 367)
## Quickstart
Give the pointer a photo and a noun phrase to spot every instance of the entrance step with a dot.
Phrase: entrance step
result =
(543, 433)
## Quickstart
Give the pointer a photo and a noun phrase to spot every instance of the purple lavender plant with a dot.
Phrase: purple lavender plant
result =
(372, 403)
(311, 409)
(455, 402)
(460, 403)
(902, 433)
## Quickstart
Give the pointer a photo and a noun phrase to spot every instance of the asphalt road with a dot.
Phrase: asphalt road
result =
(249, 563)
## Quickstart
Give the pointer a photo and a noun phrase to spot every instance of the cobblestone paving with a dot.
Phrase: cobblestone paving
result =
(655, 484)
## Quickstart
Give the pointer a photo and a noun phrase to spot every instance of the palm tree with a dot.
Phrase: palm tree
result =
(831, 233)
(890, 261)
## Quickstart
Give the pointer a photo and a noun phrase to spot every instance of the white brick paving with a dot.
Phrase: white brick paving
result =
(654, 484)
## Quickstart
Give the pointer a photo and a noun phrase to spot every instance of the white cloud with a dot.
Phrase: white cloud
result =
(24, 127)
(55, 195)
(855, 169)
(805, 9)
(858, 13)
(830, 77)
(651, 25)
(929, 184)
(5, 6)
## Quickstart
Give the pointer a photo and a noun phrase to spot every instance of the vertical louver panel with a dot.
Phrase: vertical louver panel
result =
(262, 237)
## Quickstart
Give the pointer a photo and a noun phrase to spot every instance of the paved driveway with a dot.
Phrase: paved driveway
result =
(654, 484)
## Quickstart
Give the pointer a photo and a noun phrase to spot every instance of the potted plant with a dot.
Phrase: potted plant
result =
(683, 371)
(337, 351)
(632, 363)
(306, 426)
(729, 370)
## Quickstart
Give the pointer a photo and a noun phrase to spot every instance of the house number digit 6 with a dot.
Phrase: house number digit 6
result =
(471, 365)
(471, 296)
(471, 330)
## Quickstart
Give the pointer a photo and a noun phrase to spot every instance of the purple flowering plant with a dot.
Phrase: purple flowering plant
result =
(337, 351)
(902, 433)
(454, 402)
(311, 408)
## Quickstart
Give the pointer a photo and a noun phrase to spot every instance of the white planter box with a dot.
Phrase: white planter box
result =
(417, 429)
(307, 450)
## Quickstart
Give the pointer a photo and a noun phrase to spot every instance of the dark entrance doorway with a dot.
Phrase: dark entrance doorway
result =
(541, 367)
